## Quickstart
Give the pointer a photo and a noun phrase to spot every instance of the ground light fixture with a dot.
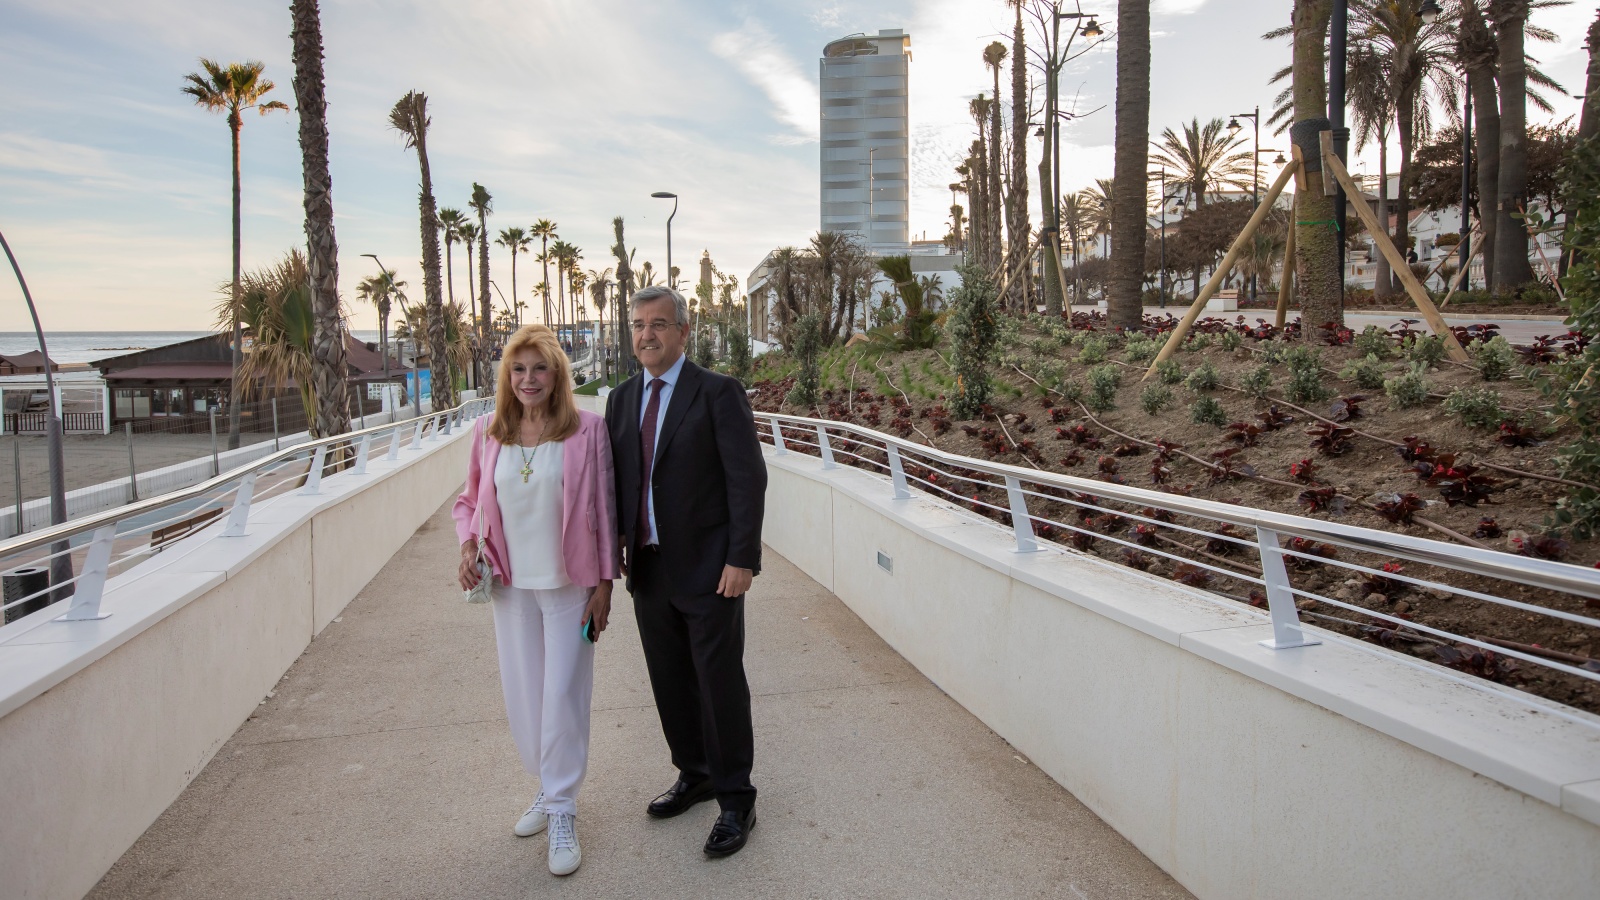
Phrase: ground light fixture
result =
(668, 195)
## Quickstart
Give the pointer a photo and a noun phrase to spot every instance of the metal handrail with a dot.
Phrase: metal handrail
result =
(66, 530)
(1540, 573)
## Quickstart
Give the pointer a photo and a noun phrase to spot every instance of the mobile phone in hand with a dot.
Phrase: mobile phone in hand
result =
(589, 633)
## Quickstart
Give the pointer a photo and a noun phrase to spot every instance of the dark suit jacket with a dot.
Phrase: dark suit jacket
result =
(709, 479)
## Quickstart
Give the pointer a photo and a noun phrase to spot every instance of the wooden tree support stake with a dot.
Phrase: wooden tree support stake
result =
(1286, 283)
(1474, 247)
(1226, 266)
(1397, 260)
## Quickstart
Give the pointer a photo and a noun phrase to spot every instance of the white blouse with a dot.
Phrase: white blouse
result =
(530, 514)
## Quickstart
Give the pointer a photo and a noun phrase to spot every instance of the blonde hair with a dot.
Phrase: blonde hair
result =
(562, 408)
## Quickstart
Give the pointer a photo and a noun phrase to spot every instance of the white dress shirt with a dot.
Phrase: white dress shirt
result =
(670, 377)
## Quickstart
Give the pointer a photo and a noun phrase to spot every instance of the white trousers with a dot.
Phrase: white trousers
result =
(547, 671)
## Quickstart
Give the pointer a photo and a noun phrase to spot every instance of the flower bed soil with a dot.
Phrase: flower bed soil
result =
(1263, 463)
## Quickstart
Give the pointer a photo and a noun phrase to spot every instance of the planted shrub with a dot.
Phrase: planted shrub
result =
(1374, 341)
(1169, 371)
(1197, 342)
(1408, 390)
(1154, 398)
(1424, 349)
(1258, 381)
(1495, 358)
(807, 349)
(1305, 376)
(1093, 351)
(1205, 378)
(1230, 340)
(1070, 389)
(1140, 349)
(739, 354)
(1207, 411)
(1103, 382)
(973, 338)
(1475, 407)
(1368, 373)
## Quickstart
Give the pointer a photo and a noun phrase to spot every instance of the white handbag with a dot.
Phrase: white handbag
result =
(482, 592)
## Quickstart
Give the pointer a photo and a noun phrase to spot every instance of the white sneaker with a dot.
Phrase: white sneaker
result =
(564, 853)
(533, 821)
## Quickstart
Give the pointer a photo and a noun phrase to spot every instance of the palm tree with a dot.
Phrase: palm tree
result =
(450, 222)
(993, 55)
(1319, 283)
(1415, 60)
(1370, 97)
(277, 305)
(410, 118)
(483, 204)
(1131, 181)
(1203, 160)
(558, 255)
(545, 231)
(381, 290)
(1017, 199)
(516, 240)
(328, 366)
(235, 87)
(599, 283)
(624, 258)
(1511, 265)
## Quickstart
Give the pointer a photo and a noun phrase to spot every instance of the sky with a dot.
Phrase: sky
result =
(114, 187)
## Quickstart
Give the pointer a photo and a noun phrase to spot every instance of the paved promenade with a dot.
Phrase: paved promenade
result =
(381, 767)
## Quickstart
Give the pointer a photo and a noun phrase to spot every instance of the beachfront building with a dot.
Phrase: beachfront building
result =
(176, 388)
(866, 152)
(30, 363)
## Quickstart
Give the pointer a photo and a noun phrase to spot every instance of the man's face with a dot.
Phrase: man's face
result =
(658, 339)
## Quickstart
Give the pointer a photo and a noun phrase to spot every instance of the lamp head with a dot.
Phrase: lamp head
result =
(1430, 11)
(1234, 126)
(1280, 160)
(1092, 30)
(664, 195)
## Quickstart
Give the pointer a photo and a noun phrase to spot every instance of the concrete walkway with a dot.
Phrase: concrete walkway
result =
(381, 767)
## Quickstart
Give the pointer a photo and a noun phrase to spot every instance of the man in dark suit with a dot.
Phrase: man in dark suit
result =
(691, 486)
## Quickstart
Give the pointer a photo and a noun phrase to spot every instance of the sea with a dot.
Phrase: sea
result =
(86, 346)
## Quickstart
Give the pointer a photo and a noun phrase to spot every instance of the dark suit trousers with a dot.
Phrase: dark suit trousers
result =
(694, 650)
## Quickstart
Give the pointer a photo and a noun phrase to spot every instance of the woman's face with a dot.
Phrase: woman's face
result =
(531, 378)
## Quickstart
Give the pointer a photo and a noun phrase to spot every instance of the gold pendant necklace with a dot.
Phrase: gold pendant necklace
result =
(527, 458)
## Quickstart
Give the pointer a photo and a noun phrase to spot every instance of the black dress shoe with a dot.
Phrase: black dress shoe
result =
(680, 797)
(730, 832)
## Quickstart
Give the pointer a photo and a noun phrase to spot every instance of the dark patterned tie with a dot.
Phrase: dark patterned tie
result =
(647, 443)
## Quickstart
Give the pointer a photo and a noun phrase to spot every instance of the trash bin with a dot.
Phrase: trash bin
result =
(19, 583)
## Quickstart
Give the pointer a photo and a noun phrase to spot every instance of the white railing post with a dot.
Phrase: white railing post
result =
(239, 516)
(1021, 519)
(91, 585)
(1286, 631)
(362, 450)
(438, 423)
(314, 475)
(777, 437)
(449, 422)
(394, 443)
(824, 447)
(416, 439)
(897, 473)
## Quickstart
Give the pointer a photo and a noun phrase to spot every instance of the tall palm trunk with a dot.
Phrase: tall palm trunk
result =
(1318, 279)
(1478, 53)
(1021, 228)
(1511, 267)
(996, 183)
(1125, 305)
(1407, 128)
(1383, 280)
(328, 364)
(235, 122)
(980, 178)
(1052, 280)
(483, 264)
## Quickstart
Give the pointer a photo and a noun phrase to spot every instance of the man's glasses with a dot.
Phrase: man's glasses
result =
(655, 327)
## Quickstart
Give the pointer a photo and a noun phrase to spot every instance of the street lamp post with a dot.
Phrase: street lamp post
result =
(1255, 168)
(1053, 119)
(1340, 27)
(60, 560)
(667, 195)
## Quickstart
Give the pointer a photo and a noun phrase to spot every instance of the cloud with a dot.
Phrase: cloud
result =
(1177, 7)
(827, 16)
(755, 52)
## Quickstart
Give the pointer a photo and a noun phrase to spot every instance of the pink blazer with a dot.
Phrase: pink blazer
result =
(588, 502)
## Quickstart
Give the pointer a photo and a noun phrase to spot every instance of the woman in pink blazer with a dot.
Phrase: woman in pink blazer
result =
(539, 493)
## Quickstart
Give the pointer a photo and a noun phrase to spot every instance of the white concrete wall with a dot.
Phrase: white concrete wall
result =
(103, 724)
(1319, 772)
